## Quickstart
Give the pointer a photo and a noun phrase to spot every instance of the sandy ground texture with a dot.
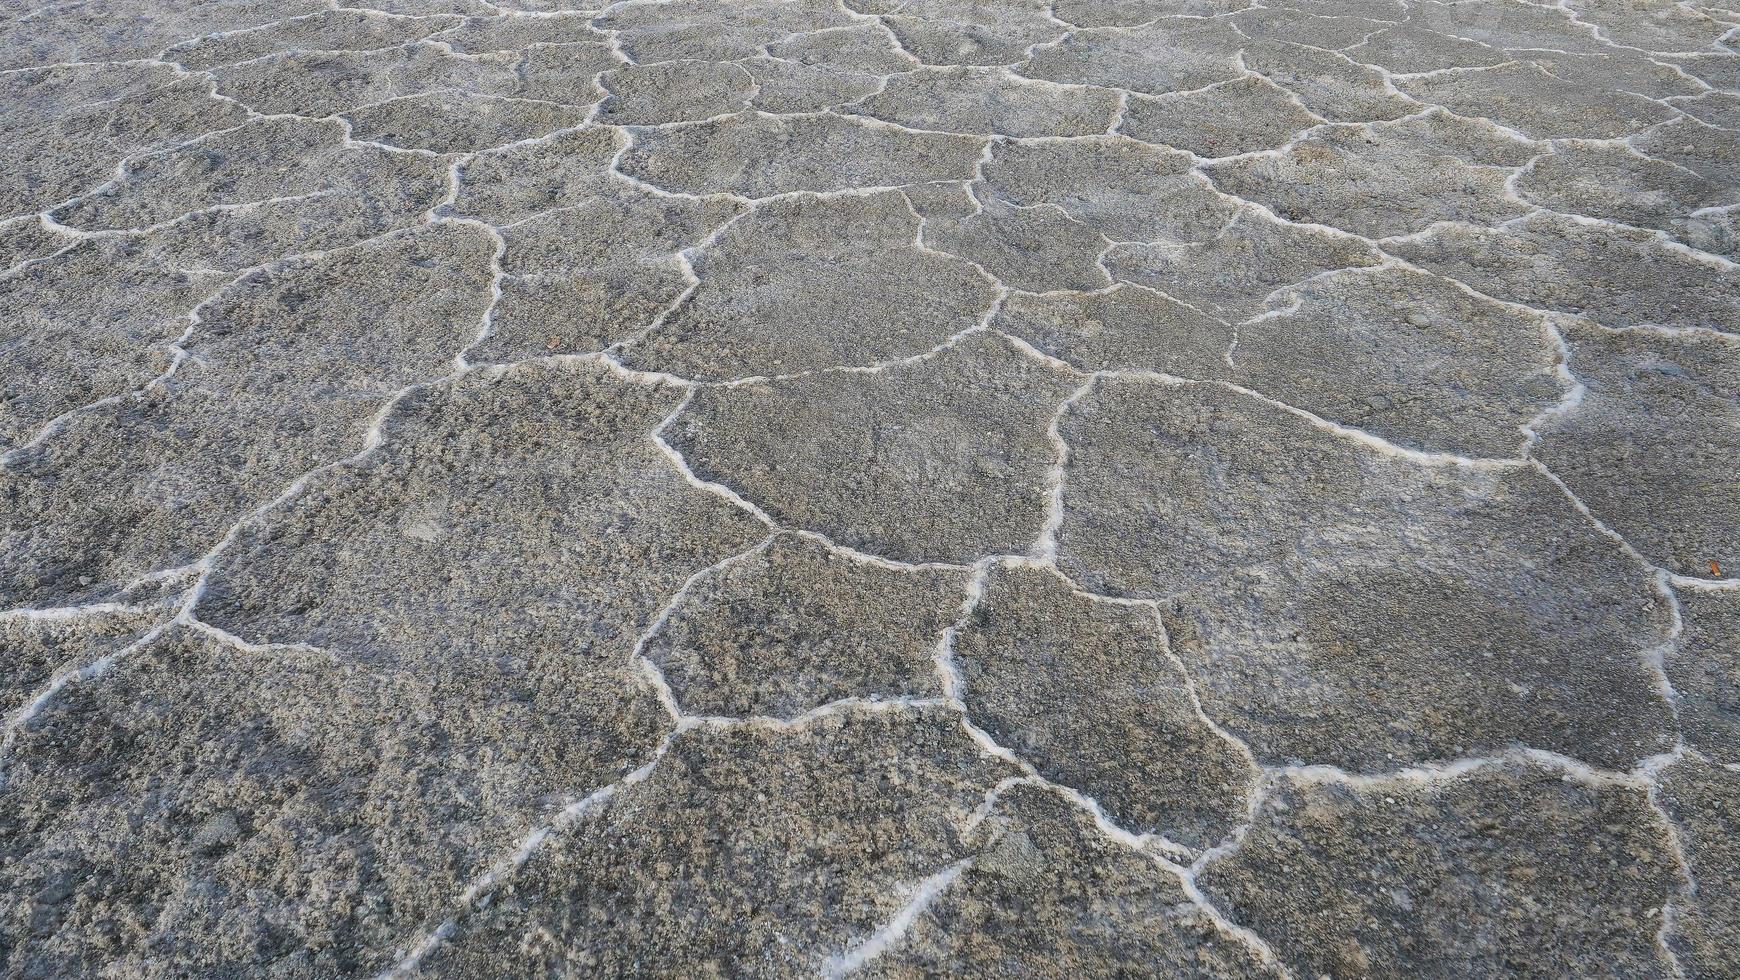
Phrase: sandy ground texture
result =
(773, 488)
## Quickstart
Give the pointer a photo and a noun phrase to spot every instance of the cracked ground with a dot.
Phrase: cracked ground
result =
(749, 488)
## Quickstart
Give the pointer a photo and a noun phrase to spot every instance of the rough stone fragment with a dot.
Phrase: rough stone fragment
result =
(284, 372)
(589, 10)
(510, 522)
(1331, 26)
(1166, 56)
(1125, 328)
(90, 323)
(1650, 447)
(1234, 274)
(1704, 669)
(972, 32)
(1409, 357)
(1385, 179)
(595, 272)
(67, 127)
(584, 311)
(485, 35)
(1703, 801)
(795, 626)
(120, 30)
(258, 161)
(1523, 28)
(1241, 116)
(430, 8)
(1337, 604)
(324, 83)
(989, 101)
(863, 47)
(1619, 71)
(814, 282)
(669, 875)
(1084, 691)
(1720, 109)
(875, 8)
(1126, 190)
(449, 122)
(332, 30)
(1330, 84)
(938, 459)
(1407, 48)
(758, 155)
(262, 191)
(353, 804)
(1717, 69)
(1652, 25)
(714, 30)
(1541, 105)
(1616, 276)
(1704, 150)
(674, 91)
(33, 650)
(222, 242)
(1035, 249)
(1617, 183)
(570, 74)
(515, 182)
(809, 72)
(791, 87)
(1132, 13)
(1507, 869)
(1047, 890)
(1378, 11)
(28, 240)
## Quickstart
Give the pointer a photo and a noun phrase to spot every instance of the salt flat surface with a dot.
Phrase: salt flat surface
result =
(894, 487)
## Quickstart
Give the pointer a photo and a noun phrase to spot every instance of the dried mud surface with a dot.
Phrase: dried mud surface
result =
(1201, 488)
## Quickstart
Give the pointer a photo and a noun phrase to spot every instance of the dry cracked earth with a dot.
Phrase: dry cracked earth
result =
(905, 488)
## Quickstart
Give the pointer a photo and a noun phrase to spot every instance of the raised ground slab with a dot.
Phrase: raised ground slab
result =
(900, 488)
